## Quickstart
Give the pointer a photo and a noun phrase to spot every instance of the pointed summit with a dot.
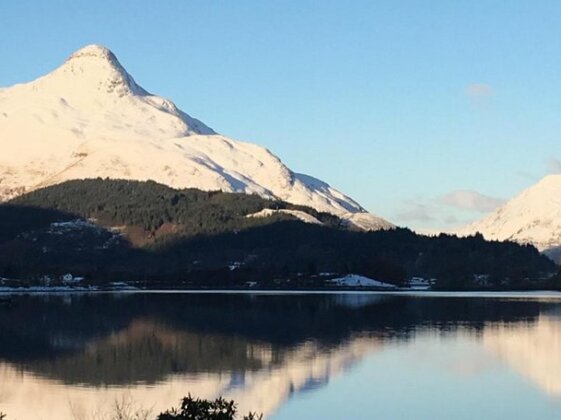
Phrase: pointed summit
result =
(95, 66)
(94, 51)
(91, 93)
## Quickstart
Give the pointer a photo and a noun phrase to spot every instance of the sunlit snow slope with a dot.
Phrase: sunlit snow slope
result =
(533, 217)
(89, 118)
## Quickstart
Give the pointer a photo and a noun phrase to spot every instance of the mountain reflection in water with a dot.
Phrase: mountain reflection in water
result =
(72, 356)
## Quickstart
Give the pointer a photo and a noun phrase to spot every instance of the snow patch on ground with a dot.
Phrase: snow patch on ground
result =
(300, 215)
(366, 221)
(61, 228)
(355, 280)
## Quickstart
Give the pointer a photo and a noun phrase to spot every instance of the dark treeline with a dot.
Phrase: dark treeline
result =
(204, 239)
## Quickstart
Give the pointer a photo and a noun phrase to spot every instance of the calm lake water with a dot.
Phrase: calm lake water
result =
(290, 356)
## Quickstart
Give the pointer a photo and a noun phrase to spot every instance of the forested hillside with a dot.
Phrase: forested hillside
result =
(148, 210)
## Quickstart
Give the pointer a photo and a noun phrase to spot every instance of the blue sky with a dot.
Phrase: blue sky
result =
(400, 104)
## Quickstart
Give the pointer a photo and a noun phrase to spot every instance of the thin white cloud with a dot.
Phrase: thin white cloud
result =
(415, 212)
(471, 200)
(478, 90)
(528, 176)
(446, 212)
(553, 166)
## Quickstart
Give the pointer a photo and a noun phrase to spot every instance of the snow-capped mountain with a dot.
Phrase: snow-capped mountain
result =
(532, 217)
(89, 118)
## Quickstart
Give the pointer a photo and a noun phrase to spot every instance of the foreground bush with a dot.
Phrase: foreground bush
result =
(197, 409)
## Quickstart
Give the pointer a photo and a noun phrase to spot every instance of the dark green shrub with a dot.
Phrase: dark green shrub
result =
(197, 409)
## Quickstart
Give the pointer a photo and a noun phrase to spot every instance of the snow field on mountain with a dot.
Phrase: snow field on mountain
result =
(89, 118)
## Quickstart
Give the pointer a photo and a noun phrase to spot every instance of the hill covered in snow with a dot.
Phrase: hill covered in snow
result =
(89, 118)
(532, 217)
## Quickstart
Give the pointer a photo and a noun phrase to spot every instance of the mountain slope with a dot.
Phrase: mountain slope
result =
(89, 118)
(533, 217)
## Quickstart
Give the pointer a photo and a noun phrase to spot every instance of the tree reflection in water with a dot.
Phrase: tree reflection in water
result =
(84, 350)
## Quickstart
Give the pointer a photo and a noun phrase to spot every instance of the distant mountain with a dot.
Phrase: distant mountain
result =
(532, 217)
(89, 118)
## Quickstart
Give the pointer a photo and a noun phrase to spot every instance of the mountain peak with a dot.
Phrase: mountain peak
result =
(97, 68)
(94, 95)
(96, 51)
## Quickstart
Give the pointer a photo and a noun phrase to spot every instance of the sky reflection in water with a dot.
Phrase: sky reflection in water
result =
(288, 356)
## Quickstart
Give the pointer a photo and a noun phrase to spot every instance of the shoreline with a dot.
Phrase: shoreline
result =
(521, 294)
